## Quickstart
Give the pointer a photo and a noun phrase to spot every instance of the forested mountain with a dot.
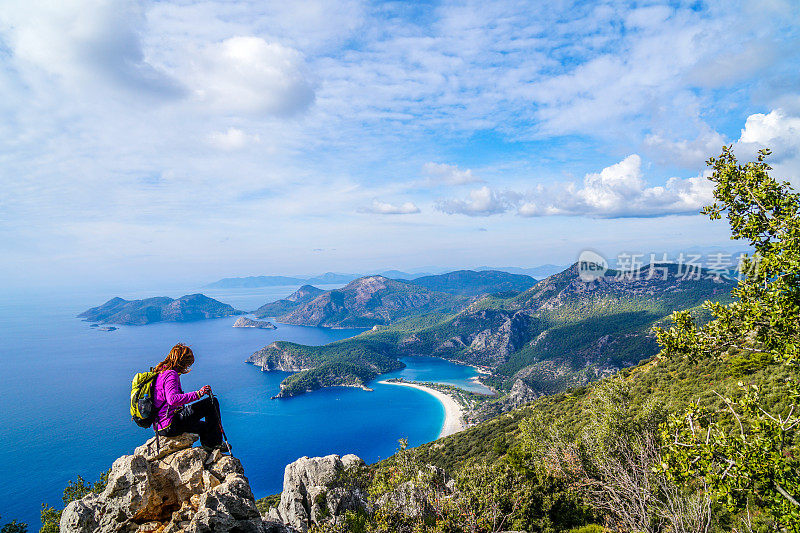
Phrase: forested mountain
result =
(378, 300)
(304, 294)
(561, 332)
(472, 283)
(364, 303)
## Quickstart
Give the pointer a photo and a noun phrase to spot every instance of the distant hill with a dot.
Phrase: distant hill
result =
(561, 332)
(397, 274)
(472, 283)
(368, 301)
(304, 294)
(329, 278)
(254, 281)
(160, 309)
(334, 278)
(538, 272)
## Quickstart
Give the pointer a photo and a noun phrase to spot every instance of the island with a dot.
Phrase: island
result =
(160, 309)
(243, 322)
(103, 328)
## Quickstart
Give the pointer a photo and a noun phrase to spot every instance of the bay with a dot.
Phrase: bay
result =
(64, 394)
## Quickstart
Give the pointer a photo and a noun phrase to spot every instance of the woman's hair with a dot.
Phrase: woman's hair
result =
(179, 359)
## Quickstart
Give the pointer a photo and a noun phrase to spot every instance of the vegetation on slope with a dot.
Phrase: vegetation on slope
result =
(472, 283)
(335, 364)
(370, 301)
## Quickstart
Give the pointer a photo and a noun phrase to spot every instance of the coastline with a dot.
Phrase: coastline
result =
(453, 412)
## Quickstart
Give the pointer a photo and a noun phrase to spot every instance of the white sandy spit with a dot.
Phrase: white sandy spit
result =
(453, 414)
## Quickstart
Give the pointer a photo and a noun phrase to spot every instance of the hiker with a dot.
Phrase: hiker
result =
(176, 413)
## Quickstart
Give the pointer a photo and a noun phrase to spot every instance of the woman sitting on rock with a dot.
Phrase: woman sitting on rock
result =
(176, 412)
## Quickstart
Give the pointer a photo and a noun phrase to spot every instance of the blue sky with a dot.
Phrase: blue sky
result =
(194, 140)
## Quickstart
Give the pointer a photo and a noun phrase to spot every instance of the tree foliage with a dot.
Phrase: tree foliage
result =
(746, 453)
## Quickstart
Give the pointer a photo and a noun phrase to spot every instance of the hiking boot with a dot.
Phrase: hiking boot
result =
(223, 448)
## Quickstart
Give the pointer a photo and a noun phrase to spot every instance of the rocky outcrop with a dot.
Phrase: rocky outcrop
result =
(310, 493)
(243, 322)
(520, 394)
(171, 489)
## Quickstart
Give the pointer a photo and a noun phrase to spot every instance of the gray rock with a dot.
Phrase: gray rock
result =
(166, 446)
(80, 515)
(178, 489)
(308, 498)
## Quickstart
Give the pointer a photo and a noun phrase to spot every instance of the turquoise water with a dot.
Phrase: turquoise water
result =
(433, 369)
(65, 388)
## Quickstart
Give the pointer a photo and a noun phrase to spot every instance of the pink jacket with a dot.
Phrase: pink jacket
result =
(169, 397)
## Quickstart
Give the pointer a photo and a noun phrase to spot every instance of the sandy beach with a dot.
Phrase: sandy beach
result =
(453, 414)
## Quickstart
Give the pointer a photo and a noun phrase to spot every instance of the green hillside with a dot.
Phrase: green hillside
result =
(561, 332)
(472, 283)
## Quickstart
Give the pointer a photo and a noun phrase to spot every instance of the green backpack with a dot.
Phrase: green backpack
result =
(143, 392)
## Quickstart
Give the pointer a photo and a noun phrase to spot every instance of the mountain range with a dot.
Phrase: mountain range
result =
(377, 300)
(562, 331)
(331, 278)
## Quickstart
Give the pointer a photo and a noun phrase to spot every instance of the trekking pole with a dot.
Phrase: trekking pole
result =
(221, 429)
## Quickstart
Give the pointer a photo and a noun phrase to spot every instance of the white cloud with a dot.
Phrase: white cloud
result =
(481, 202)
(685, 153)
(444, 174)
(384, 208)
(232, 139)
(775, 130)
(779, 132)
(620, 191)
(393, 86)
(251, 75)
(85, 43)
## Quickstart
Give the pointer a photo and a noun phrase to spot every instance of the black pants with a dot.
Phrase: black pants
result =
(200, 417)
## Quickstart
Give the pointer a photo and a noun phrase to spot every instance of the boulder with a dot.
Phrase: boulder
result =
(176, 488)
(309, 495)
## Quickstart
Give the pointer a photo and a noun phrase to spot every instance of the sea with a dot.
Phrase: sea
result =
(65, 389)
